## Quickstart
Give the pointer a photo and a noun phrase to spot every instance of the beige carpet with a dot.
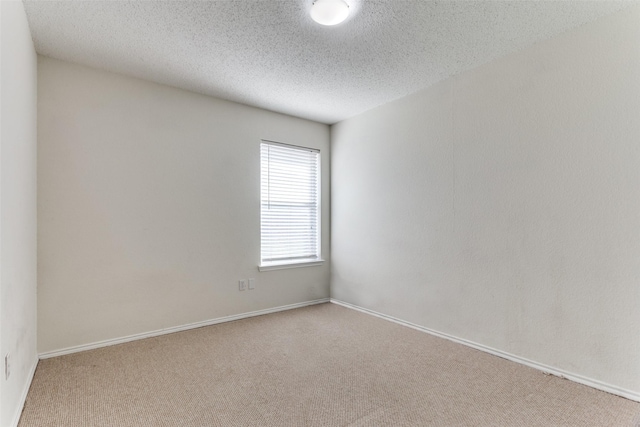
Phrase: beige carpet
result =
(317, 366)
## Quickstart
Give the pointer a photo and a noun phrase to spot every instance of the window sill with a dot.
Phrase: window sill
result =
(268, 267)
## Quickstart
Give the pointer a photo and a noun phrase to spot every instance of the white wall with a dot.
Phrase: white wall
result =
(18, 67)
(502, 206)
(148, 207)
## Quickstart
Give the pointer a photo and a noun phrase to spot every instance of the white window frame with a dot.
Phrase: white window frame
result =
(291, 263)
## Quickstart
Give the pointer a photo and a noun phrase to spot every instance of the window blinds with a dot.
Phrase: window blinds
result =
(289, 208)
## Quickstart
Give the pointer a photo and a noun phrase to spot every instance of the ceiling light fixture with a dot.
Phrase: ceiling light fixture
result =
(329, 12)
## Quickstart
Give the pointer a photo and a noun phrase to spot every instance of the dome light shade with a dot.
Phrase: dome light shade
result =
(329, 12)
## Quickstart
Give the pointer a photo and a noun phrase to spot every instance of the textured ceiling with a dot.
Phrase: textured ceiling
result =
(270, 54)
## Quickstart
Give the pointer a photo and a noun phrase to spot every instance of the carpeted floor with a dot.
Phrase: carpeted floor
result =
(323, 365)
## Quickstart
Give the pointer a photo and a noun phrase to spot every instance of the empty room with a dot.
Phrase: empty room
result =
(319, 213)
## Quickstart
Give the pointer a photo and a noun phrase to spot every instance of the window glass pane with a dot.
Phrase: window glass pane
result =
(289, 208)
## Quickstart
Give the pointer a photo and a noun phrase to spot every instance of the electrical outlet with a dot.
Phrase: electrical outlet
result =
(252, 284)
(7, 366)
(242, 285)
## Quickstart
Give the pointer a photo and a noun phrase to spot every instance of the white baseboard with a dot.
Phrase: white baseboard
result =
(23, 396)
(114, 341)
(599, 385)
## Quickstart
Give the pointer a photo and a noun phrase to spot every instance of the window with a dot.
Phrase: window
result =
(289, 205)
